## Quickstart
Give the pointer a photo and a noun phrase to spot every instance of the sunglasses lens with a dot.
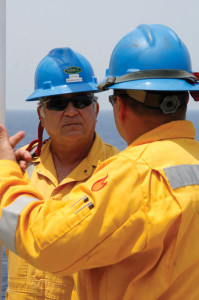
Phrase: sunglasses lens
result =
(57, 104)
(112, 99)
(60, 103)
(81, 101)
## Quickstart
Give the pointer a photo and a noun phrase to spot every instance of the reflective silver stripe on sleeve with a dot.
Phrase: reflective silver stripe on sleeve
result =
(9, 220)
(182, 175)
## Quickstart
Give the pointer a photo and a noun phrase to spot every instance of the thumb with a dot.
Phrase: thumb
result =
(6, 151)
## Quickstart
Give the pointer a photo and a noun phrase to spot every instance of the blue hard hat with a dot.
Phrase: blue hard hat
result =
(63, 71)
(151, 57)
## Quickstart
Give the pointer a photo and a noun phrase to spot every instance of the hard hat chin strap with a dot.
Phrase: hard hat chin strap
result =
(195, 94)
(38, 141)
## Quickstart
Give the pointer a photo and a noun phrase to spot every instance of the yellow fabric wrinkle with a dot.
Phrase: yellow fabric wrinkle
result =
(24, 281)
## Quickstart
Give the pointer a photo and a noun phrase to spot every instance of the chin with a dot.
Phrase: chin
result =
(73, 135)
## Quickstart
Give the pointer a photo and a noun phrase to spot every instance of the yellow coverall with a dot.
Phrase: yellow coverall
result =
(130, 231)
(25, 281)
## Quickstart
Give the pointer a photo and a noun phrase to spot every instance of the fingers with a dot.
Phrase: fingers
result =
(6, 151)
(23, 155)
(3, 131)
(23, 165)
(16, 138)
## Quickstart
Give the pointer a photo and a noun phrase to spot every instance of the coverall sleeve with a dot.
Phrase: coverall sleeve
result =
(89, 228)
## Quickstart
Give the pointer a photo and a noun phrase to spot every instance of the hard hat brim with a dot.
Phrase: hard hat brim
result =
(155, 85)
(64, 89)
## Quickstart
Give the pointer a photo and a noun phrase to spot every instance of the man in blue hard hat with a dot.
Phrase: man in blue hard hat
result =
(131, 230)
(65, 89)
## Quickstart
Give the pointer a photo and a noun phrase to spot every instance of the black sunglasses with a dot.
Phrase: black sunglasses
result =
(113, 98)
(59, 103)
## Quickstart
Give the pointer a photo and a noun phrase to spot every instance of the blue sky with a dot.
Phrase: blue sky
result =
(90, 27)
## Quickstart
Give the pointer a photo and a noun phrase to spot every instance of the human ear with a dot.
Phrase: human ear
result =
(96, 108)
(41, 114)
(122, 108)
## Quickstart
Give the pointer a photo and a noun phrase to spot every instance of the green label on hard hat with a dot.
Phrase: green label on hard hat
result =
(72, 70)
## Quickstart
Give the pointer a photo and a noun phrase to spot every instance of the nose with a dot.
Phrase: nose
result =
(70, 110)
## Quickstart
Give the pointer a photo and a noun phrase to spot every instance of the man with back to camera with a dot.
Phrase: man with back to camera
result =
(134, 223)
(65, 86)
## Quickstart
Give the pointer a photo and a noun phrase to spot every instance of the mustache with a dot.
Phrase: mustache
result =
(71, 121)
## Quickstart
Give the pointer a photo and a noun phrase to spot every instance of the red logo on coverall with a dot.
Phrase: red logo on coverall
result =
(100, 184)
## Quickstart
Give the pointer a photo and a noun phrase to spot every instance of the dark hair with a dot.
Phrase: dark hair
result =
(154, 103)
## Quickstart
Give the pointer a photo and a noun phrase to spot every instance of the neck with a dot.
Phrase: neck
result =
(67, 156)
(144, 125)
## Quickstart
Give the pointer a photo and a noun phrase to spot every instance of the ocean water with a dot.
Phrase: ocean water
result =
(28, 121)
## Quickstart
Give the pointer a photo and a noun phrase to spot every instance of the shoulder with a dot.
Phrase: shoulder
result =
(103, 150)
(110, 150)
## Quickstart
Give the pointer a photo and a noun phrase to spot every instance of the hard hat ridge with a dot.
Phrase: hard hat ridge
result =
(151, 57)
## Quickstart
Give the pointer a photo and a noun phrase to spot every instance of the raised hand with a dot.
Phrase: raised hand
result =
(6, 148)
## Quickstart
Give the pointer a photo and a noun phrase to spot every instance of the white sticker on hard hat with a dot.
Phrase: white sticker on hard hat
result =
(74, 78)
